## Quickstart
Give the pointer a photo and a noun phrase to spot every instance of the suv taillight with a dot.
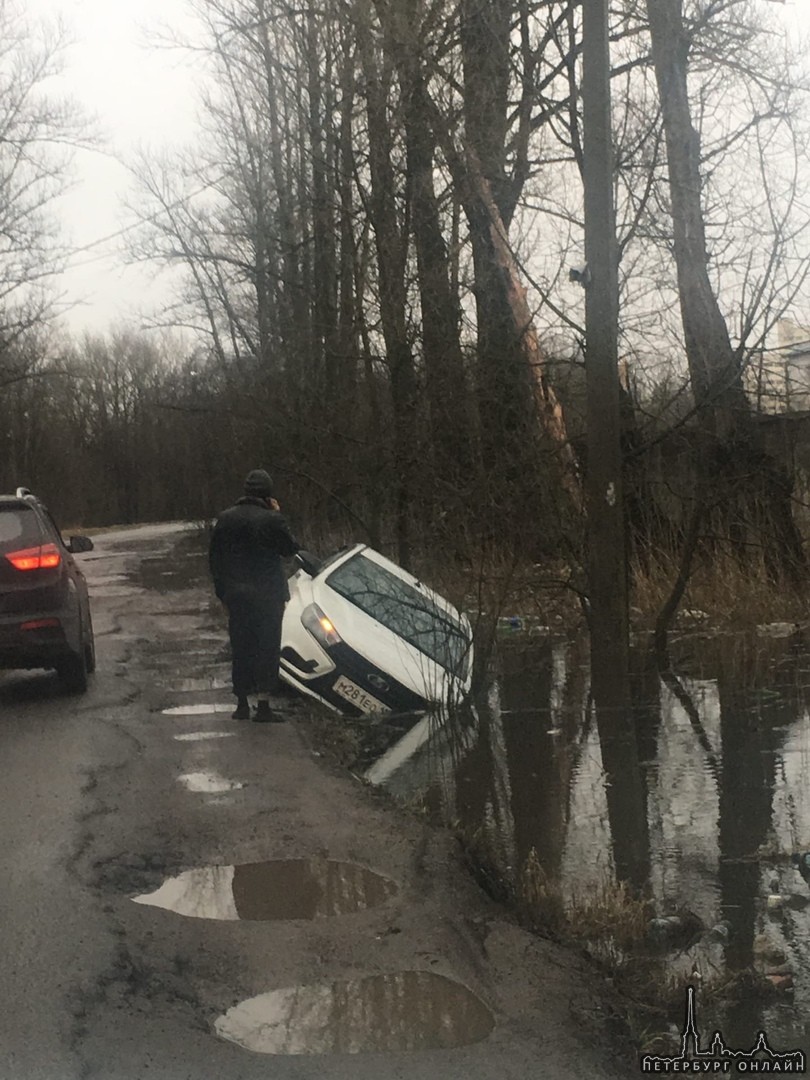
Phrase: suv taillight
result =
(44, 557)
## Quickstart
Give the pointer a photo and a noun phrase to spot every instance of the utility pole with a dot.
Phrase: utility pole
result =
(607, 541)
(604, 494)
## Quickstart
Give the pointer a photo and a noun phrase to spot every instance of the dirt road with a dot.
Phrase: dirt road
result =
(302, 927)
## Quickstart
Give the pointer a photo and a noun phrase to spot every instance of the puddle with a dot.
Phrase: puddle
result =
(403, 1011)
(266, 891)
(212, 682)
(171, 571)
(209, 654)
(201, 736)
(199, 710)
(111, 592)
(208, 783)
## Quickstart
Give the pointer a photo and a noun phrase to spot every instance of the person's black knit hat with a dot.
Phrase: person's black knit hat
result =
(259, 484)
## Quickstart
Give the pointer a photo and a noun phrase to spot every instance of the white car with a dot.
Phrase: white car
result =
(362, 635)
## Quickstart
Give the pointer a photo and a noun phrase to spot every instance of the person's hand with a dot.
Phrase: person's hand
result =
(273, 504)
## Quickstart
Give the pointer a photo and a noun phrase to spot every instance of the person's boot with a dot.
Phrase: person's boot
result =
(242, 710)
(263, 714)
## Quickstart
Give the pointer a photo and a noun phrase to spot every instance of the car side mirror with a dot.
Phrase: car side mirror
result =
(308, 562)
(78, 544)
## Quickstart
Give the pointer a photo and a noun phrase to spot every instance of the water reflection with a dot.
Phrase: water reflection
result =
(278, 889)
(403, 1011)
(208, 783)
(701, 803)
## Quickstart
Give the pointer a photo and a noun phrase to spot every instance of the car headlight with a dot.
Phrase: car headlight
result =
(319, 626)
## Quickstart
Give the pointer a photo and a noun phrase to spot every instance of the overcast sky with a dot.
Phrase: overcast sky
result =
(139, 95)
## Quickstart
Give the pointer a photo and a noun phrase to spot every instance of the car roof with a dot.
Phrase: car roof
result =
(24, 502)
(19, 500)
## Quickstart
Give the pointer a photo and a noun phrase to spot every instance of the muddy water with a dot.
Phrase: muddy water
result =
(401, 1011)
(703, 810)
(279, 889)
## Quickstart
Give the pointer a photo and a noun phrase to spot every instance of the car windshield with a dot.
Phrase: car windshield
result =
(19, 528)
(405, 610)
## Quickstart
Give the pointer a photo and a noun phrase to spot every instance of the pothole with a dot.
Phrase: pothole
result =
(212, 682)
(403, 1011)
(278, 889)
(198, 710)
(208, 783)
(201, 736)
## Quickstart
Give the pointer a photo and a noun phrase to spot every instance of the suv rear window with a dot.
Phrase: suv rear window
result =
(19, 528)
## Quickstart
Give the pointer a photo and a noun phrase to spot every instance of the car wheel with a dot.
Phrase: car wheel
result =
(73, 672)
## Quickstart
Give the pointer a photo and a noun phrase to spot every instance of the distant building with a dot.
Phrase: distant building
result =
(778, 380)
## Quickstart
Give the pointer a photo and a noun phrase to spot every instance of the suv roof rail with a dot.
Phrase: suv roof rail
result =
(24, 493)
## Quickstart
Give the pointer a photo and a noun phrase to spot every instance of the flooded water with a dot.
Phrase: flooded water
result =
(402, 1011)
(279, 889)
(699, 803)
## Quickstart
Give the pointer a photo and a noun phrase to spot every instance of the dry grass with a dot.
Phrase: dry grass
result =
(722, 593)
(542, 593)
(609, 913)
(729, 594)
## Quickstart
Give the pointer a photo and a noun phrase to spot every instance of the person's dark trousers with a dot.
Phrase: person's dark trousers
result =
(254, 628)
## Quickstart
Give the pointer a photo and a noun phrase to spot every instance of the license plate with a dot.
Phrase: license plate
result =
(357, 696)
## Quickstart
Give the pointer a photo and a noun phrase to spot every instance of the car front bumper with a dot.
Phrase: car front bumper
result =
(348, 664)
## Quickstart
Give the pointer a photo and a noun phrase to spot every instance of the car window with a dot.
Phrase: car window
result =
(402, 608)
(57, 532)
(332, 558)
(19, 528)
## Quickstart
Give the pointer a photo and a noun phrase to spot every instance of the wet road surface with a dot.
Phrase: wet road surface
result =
(394, 964)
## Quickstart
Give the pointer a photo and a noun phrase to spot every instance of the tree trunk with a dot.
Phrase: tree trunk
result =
(445, 375)
(391, 245)
(737, 460)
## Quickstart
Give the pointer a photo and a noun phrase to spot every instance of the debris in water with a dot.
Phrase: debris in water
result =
(779, 982)
(802, 863)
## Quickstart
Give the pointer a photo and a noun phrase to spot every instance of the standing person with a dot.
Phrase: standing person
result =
(247, 545)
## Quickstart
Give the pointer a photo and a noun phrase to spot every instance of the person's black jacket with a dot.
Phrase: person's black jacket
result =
(247, 545)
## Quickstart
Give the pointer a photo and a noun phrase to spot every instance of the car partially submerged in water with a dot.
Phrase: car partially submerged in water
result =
(362, 635)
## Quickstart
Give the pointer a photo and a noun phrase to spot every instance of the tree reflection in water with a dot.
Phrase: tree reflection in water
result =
(698, 800)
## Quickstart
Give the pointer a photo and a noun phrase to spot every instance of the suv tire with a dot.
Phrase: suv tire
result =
(73, 671)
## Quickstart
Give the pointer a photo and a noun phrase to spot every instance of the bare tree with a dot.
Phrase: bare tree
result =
(736, 451)
(37, 135)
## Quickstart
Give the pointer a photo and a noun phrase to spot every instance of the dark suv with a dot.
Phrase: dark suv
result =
(44, 607)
